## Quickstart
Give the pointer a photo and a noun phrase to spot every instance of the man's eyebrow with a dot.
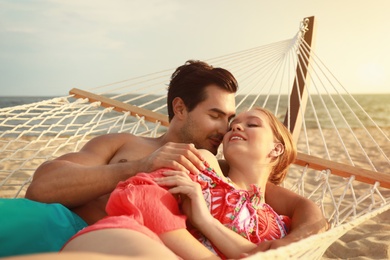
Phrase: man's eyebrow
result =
(219, 111)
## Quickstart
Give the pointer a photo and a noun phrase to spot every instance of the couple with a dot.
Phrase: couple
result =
(200, 105)
(265, 150)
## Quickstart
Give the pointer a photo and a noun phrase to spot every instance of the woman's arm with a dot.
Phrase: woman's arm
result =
(231, 244)
(307, 218)
(227, 241)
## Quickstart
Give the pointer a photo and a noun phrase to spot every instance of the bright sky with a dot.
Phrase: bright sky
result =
(48, 47)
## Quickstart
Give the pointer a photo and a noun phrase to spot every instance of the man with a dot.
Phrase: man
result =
(200, 106)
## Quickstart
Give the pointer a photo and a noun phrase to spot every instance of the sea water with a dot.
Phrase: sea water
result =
(377, 106)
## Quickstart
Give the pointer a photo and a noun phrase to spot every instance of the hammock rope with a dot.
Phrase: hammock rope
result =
(349, 185)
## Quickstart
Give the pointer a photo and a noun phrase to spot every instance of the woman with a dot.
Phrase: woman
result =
(258, 149)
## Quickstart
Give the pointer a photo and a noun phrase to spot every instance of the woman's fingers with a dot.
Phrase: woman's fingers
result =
(179, 182)
(174, 181)
(176, 173)
(173, 178)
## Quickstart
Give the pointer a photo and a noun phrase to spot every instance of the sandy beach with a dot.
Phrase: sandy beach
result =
(370, 240)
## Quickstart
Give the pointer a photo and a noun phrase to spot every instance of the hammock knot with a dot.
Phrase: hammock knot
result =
(141, 119)
(304, 26)
(108, 109)
(323, 175)
(81, 101)
(61, 100)
(154, 132)
(96, 103)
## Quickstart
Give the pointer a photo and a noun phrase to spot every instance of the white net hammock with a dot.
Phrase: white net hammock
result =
(343, 162)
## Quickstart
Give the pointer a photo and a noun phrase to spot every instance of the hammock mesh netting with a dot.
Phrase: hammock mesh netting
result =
(343, 163)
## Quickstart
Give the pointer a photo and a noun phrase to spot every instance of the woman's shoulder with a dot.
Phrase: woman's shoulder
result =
(209, 158)
(212, 162)
(207, 154)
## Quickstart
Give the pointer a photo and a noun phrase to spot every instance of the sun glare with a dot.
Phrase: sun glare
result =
(371, 74)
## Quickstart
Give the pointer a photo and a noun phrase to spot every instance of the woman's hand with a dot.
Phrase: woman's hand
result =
(194, 206)
(190, 192)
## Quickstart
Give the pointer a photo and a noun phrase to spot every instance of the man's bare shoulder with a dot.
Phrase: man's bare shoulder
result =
(118, 139)
(108, 144)
(115, 137)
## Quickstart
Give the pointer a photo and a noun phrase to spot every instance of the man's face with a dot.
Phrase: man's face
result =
(208, 122)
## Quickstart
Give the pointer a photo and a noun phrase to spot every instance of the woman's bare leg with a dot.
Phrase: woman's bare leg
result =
(73, 256)
(189, 247)
(119, 241)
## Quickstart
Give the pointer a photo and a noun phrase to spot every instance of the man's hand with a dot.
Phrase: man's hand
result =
(176, 156)
(306, 217)
(267, 245)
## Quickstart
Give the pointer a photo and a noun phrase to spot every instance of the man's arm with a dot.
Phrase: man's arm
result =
(307, 218)
(77, 178)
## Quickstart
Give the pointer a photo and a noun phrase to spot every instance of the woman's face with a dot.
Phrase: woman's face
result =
(250, 135)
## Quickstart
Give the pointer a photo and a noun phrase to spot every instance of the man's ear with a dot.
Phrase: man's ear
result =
(278, 150)
(179, 108)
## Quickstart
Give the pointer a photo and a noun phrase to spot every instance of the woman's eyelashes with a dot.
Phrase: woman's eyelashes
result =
(253, 123)
(247, 125)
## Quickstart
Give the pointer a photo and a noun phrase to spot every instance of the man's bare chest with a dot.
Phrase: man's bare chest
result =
(133, 151)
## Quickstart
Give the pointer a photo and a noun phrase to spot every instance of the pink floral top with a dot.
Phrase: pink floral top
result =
(239, 210)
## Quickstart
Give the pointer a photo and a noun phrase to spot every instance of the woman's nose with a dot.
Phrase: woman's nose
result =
(237, 127)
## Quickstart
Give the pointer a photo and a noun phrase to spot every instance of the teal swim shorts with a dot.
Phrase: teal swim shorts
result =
(28, 227)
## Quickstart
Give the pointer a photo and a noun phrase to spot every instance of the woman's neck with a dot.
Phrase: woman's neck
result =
(243, 176)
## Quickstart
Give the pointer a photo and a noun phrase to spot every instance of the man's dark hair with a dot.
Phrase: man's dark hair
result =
(190, 80)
